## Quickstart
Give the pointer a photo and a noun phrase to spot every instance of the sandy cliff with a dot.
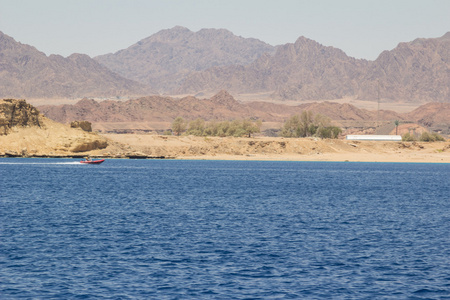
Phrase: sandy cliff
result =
(25, 132)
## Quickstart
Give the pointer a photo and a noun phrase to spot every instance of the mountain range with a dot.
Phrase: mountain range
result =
(163, 60)
(27, 72)
(223, 106)
(418, 71)
(179, 61)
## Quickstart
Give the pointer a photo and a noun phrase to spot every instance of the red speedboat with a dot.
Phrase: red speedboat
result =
(92, 162)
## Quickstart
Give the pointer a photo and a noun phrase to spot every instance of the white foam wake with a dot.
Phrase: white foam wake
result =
(38, 163)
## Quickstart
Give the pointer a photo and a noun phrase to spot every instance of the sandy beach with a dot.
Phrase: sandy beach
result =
(283, 149)
(53, 139)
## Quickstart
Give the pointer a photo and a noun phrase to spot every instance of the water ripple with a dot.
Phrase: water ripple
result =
(223, 230)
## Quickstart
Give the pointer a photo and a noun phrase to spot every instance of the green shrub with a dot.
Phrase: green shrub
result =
(431, 137)
(308, 124)
(196, 127)
(331, 132)
(438, 137)
(199, 127)
(178, 126)
(407, 137)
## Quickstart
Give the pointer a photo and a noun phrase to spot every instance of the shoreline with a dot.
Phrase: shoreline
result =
(284, 149)
(348, 157)
(59, 141)
(237, 160)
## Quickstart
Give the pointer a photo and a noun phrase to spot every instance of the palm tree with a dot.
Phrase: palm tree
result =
(396, 126)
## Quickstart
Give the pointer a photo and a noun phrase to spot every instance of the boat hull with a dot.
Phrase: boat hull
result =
(92, 162)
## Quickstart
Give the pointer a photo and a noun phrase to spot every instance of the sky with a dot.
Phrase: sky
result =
(361, 28)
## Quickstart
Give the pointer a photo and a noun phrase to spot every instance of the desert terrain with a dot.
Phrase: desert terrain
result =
(132, 96)
(291, 149)
(27, 133)
(59, 140)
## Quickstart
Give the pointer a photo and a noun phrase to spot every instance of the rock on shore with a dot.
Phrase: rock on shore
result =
(25, 132)
(17, 113)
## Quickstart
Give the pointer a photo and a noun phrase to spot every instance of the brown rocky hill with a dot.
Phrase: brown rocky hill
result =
(153, 108)
(222, 106)
(165, 58)
(431, 115)
(412, 72)
(25, 132)
(27, 72)
(303, 70)
(418, 71)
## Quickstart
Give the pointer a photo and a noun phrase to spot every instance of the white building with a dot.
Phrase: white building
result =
(395, 138)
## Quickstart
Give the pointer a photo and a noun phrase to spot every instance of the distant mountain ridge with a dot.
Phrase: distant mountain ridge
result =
(179, 61)
(303, 70)
(418, 71)
(221, 106)
(164, 59)
(27, 72)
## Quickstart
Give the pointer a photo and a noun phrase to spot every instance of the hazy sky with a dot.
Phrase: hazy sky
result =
(361, 28)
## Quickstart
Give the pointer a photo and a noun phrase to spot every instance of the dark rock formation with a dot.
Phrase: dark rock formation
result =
(17, 113)
(85, 125)
(85, 145)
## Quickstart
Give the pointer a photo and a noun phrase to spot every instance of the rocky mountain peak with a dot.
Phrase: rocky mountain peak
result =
(304, 41)
(5, 40)
(79, 57)
(27, 72)
(215, 34)
(163, 60)
(176, 33)
(223, 98)
(8, 44)
(445, 36)
(416, 71)
(87, 103)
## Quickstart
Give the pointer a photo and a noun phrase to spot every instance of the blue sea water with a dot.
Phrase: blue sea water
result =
(170, 229)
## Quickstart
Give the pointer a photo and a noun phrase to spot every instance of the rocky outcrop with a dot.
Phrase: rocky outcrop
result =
(24, 132)
(17, 113)
(84, 145)
(85, 125)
